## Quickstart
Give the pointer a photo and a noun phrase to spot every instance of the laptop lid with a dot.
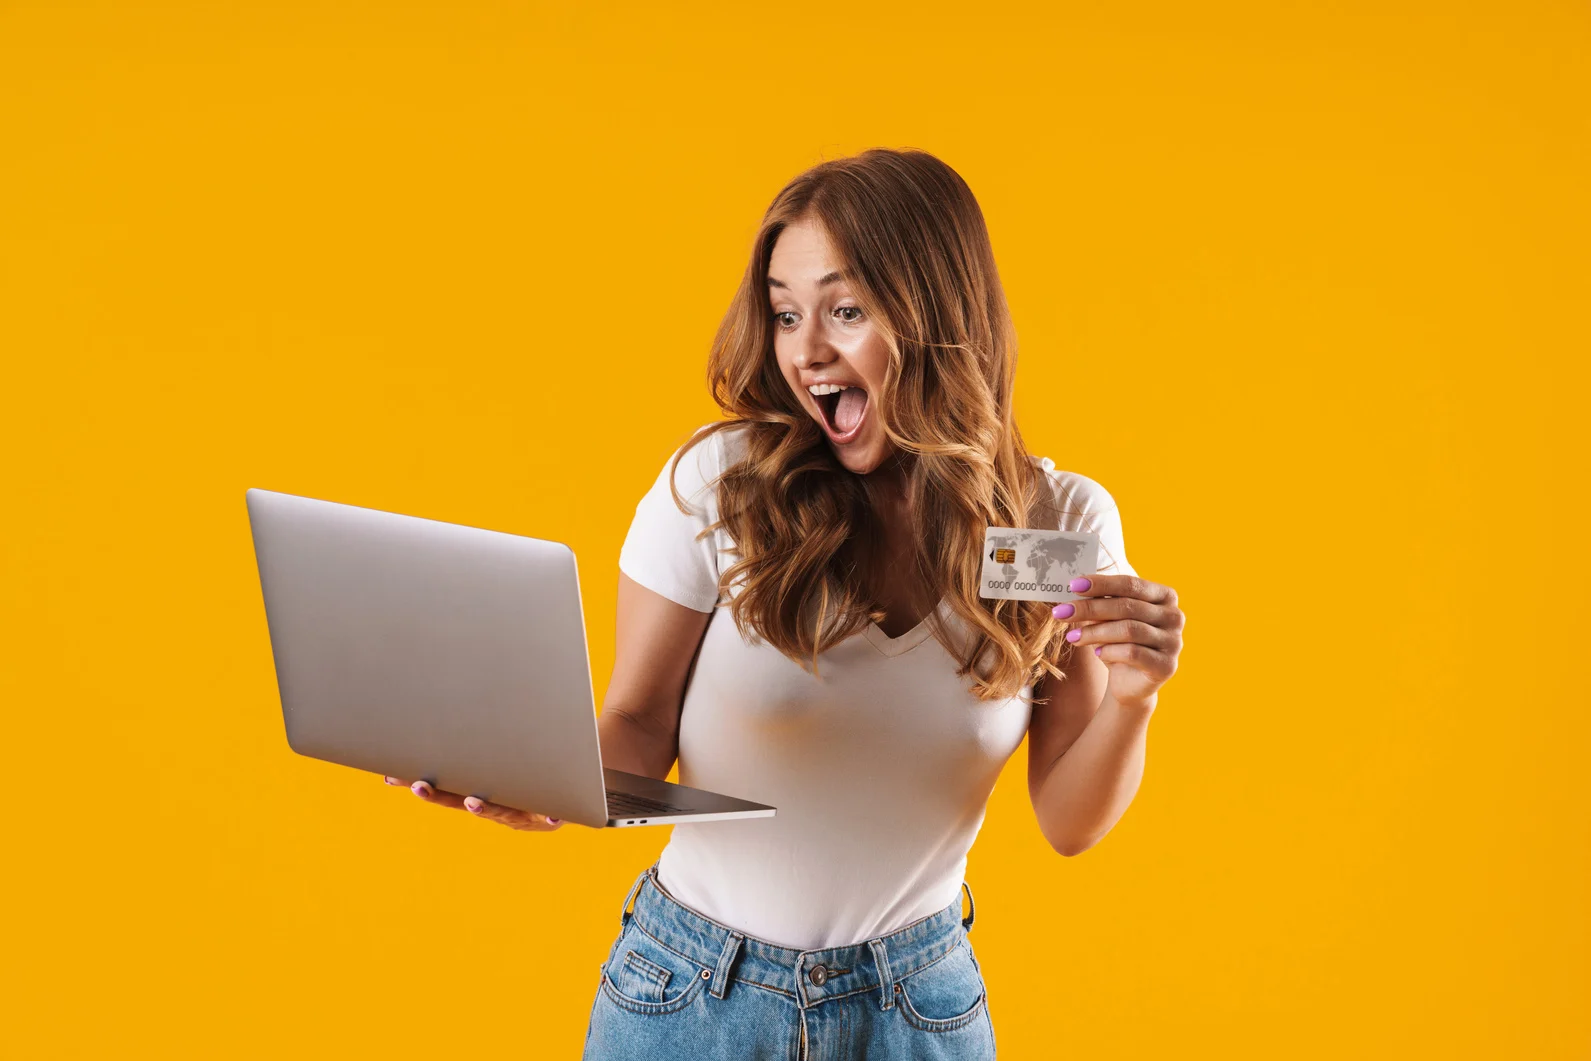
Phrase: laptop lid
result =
(422, 649)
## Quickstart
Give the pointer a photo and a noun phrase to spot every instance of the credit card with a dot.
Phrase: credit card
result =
(1023, 564)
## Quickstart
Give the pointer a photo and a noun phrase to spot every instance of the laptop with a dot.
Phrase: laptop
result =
(420, 649)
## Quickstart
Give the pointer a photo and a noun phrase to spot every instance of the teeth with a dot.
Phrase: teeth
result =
(820, 389)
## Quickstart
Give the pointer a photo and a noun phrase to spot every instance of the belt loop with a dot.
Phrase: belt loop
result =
(886, 979)
(972, 909)
(624, 911)
(725, 961)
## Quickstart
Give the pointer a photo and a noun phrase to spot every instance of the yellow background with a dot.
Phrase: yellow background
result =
(1304, 285)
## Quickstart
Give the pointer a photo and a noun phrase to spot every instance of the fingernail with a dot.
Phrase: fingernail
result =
(421, 789)
(472, 804)
(392, 781)
(1097, 648)
(1062, 611)
(1073, 635)
(1079, 585)
(554, 821)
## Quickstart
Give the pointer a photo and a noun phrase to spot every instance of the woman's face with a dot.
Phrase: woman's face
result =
(821, 336)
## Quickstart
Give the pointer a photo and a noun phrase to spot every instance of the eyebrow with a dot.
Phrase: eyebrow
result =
(829, 278)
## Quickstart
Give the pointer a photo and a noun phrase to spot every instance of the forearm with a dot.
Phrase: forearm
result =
(630, 744)
(1089, 788)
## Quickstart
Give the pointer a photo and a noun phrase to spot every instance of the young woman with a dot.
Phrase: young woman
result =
(799, 624)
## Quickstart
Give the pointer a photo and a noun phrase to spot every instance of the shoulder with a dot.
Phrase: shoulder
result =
(1081, 501)
(703, 457)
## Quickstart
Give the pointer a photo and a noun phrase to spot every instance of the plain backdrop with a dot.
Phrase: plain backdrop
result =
(1304, 285)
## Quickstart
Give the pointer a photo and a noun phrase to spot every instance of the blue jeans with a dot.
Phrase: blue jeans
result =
(678, 985)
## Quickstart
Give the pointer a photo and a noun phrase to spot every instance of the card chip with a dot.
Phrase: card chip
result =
(1005, 556)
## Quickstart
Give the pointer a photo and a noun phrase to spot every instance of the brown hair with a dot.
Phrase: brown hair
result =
(914, 245)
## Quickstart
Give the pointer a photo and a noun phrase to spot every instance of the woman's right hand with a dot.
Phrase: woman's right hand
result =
(480, 808)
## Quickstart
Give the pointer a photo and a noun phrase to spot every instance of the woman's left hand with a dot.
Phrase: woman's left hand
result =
(1132, 624)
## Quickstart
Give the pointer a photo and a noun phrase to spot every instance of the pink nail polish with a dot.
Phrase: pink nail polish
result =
(419, 788)
(1079, 585)
(1073, 635)
(1062, 611)
(1097, 648)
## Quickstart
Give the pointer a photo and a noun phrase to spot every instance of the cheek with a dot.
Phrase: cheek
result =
(872, 361)
(786, 364)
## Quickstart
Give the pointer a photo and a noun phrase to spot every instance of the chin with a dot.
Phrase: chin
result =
(862, 459)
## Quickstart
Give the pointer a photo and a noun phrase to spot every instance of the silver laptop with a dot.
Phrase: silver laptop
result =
(420, 649)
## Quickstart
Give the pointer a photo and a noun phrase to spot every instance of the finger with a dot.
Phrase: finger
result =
(510, 816)
(1129, 631)
(440, 797)
(398, 781)
(1123, 586)
(1156, 664)
(1093, 610)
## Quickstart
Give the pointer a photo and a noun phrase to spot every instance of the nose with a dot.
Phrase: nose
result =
(812, 348)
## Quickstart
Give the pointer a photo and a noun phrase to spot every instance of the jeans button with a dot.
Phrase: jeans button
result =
(819, 975)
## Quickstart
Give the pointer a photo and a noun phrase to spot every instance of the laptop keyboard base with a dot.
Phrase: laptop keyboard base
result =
(629, 805)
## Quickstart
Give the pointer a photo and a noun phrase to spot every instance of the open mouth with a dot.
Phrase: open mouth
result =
(843, 412)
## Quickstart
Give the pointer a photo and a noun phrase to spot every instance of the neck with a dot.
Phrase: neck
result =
(887, 485)
(890, 480)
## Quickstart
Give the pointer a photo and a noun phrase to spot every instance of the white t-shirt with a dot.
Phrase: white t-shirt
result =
(880, 769)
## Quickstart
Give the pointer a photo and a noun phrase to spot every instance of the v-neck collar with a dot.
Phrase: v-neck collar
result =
(894, 646)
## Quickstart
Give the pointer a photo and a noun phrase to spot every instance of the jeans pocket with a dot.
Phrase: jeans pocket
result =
(945, 995)
(646, 976)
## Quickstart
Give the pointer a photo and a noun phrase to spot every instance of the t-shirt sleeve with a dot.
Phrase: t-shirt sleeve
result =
(662, 551)
(1085, 505)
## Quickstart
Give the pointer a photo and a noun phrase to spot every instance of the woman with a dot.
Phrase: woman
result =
(799, 624)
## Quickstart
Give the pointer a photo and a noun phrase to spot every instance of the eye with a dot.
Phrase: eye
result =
(783, 327)
(854, 309)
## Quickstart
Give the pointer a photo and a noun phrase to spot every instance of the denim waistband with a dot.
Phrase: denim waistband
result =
(809, 977)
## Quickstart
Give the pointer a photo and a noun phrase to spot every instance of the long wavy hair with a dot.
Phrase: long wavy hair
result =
(913, 242)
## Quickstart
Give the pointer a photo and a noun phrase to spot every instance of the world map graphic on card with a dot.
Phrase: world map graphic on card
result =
(1021, 564)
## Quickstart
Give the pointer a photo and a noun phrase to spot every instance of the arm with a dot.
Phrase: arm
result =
(1085, 755)
(1086, 747)
(655, 646)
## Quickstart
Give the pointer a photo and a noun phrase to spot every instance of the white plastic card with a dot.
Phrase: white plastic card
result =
(1021, 564)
